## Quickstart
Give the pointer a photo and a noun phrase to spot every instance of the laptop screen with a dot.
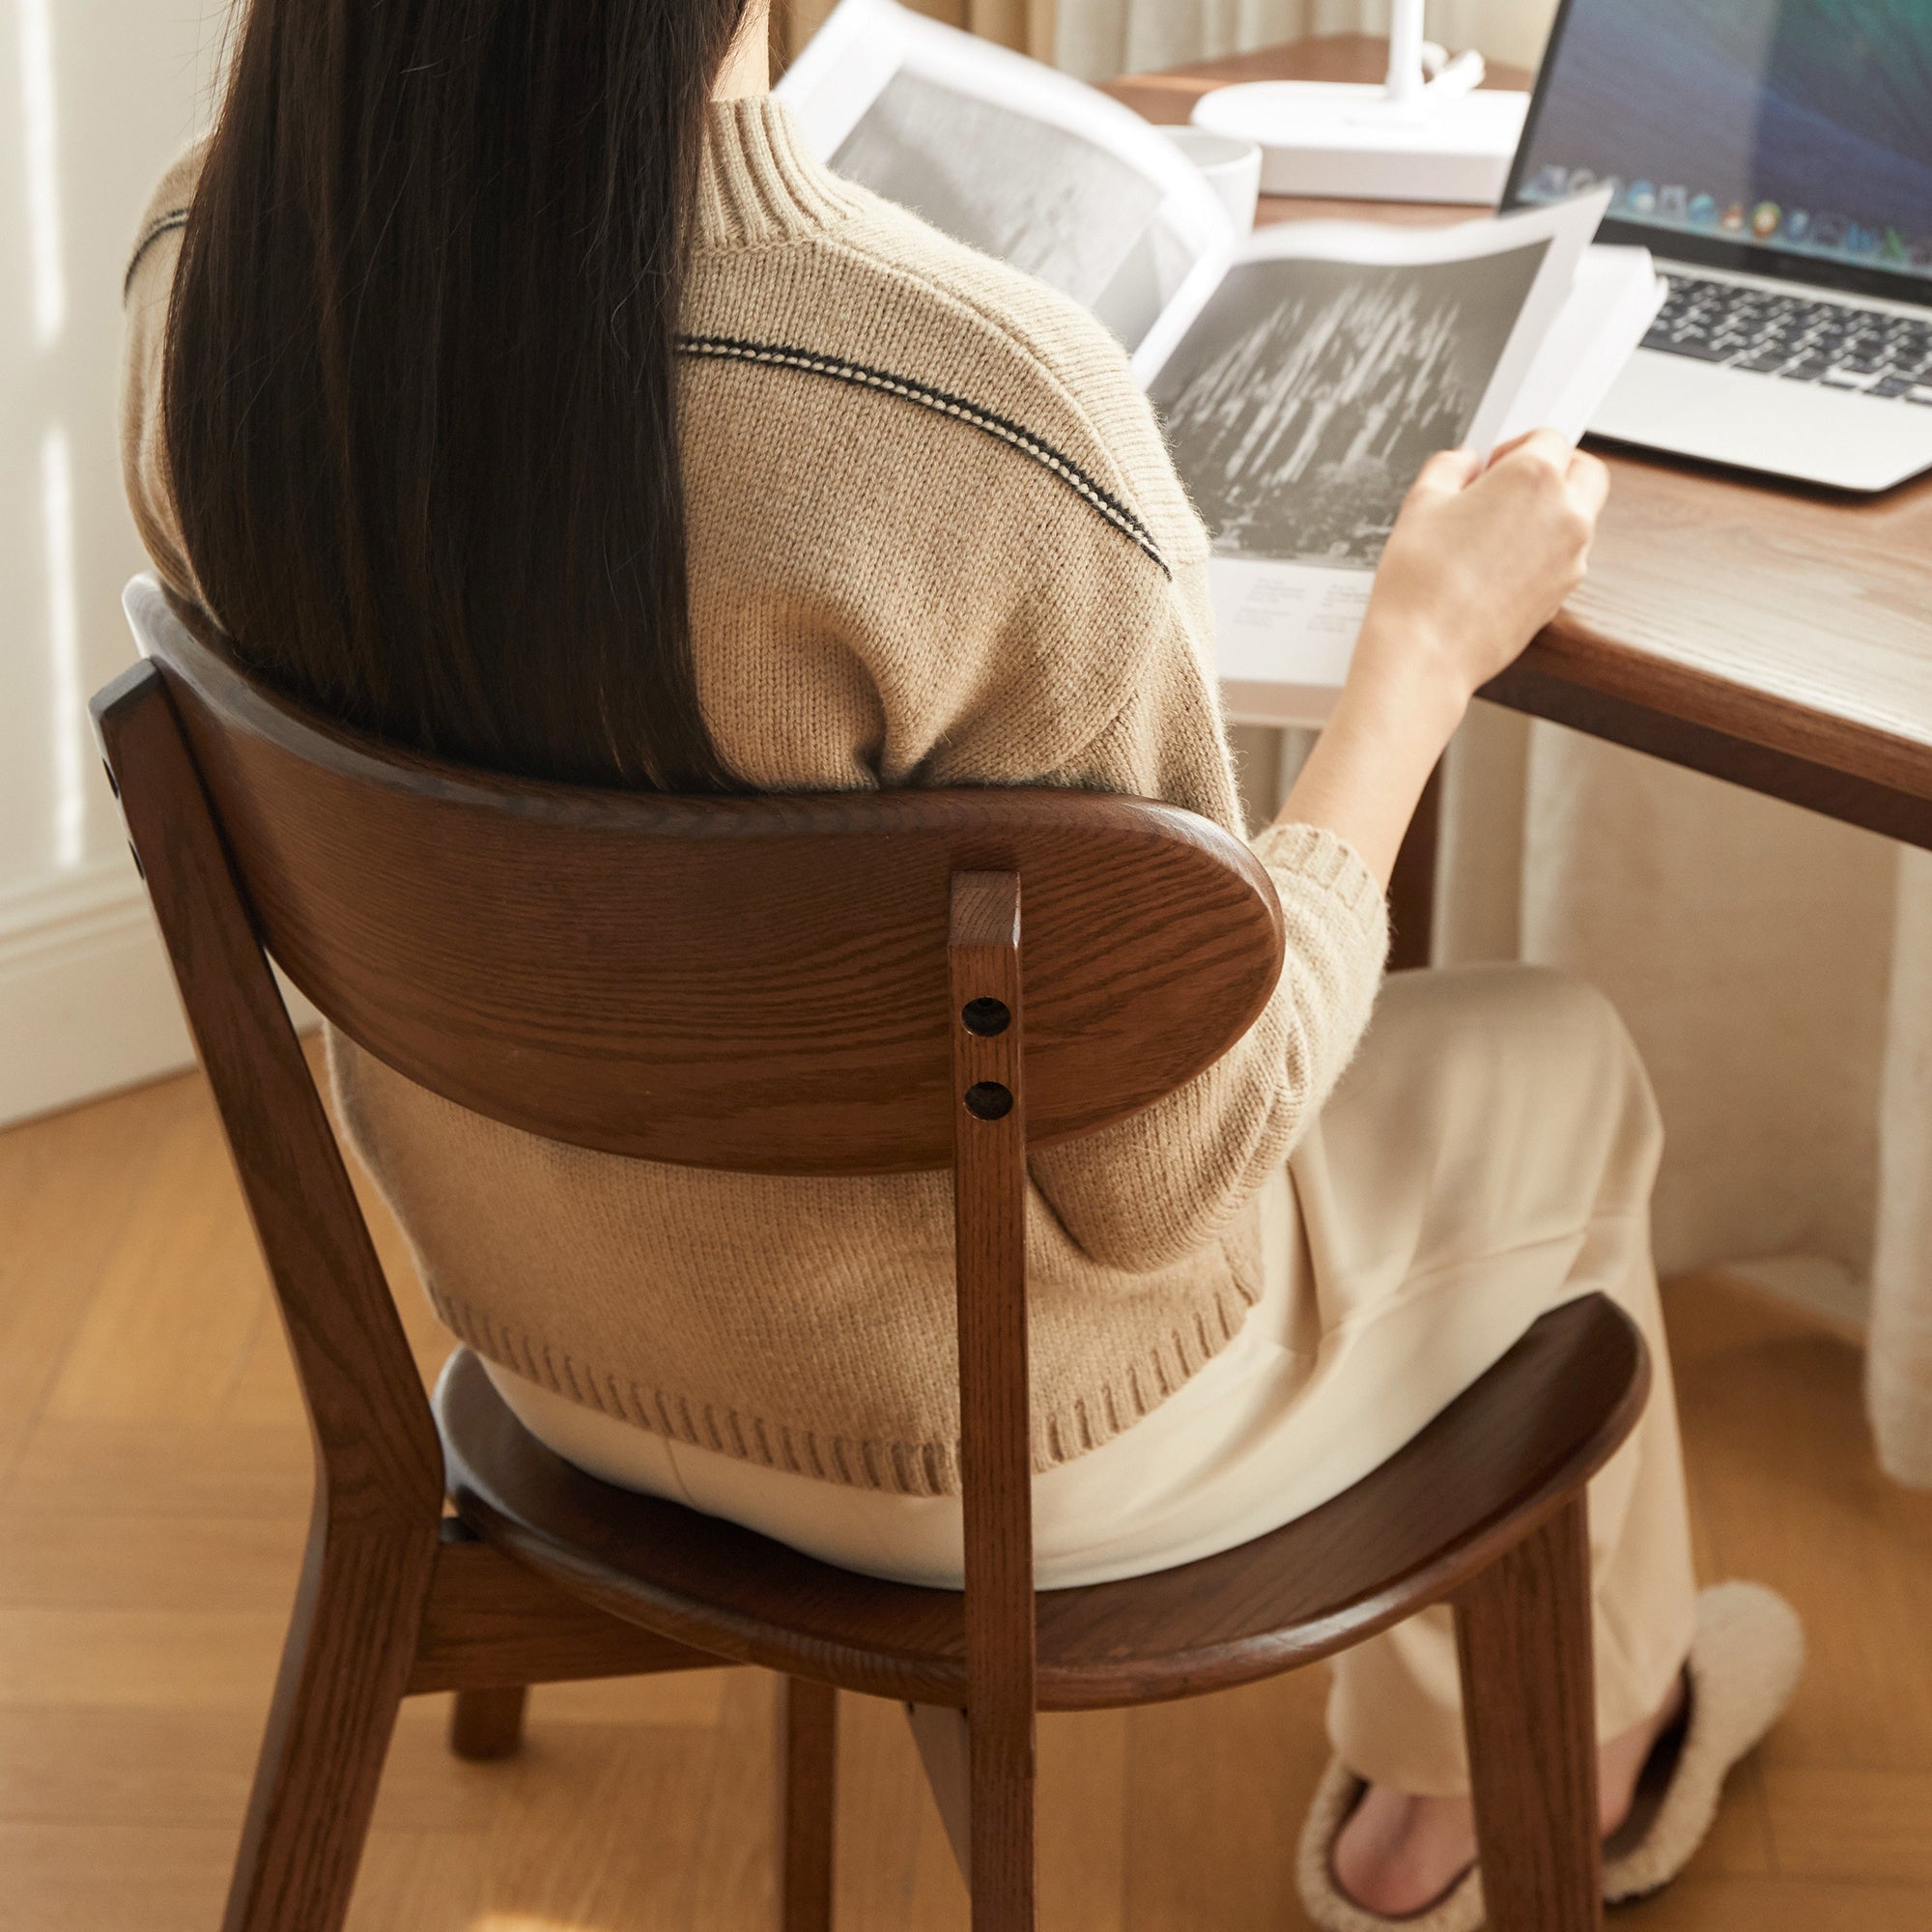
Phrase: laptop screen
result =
(1793, 137)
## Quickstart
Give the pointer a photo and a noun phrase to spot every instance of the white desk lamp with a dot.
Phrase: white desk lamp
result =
(1410, 139)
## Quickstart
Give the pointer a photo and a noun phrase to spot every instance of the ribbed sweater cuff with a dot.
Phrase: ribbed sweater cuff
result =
(1311, 855)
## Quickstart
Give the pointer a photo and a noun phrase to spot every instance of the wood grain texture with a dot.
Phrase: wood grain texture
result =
(989, 1190)
(1523, 1644)
(684, 979)
(1493, 1465)
(372, 1540)
(1774, 635)
(808, 1787)
(491, 1622)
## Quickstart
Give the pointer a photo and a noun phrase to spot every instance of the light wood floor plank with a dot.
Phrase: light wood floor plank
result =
(108, 1562)
(421, 1882)
(113, 1469)
(733, 1883)
(1083, 1820)
(112, 1765)
(598, 1827)
(1837, 1823)
(68, 1188)
(691, 1697)
(1779, 1905)
(88, 1878)
(179, 1298)
(148, 1659)
(1215, 1796)
(882, 1806)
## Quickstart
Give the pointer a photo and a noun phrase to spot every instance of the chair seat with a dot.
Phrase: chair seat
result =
(1489, 1468)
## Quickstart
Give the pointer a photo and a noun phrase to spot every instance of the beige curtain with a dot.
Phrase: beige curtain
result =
(1777, 970)
(1775, 967)
(1099, 38)
(1025, 24)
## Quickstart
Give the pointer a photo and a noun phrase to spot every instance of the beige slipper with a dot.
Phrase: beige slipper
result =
(1743, 1665)
(1459, 1909)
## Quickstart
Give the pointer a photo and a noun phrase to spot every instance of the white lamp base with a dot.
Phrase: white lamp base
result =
(1332, 139)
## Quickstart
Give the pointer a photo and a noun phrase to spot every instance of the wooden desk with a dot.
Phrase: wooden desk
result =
(1775, 637)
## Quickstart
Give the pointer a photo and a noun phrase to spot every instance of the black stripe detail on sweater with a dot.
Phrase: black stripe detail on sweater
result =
(174, 218)
(732, 349)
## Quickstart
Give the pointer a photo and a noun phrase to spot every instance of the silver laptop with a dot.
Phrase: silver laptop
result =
(1775, 155)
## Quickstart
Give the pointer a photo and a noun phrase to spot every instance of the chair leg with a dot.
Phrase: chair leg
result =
(808, 1785)
(1000, 1825)
(1529, 1713)
(345, 1665)
(487, 1725)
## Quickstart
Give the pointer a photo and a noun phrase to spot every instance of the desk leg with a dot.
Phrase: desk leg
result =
(1412, 883)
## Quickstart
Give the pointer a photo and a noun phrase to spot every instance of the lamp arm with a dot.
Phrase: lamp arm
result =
(1404, 69)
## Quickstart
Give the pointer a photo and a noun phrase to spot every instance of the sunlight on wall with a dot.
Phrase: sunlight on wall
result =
(70, 699)
(66, 679)
(42, 179)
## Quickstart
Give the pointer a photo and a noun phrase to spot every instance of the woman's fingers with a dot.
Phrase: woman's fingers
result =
(1447, 472)
(1542, 449)
(1509, 449)
(1588, 483)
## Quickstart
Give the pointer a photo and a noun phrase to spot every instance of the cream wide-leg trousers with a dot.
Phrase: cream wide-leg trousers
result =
(1488, 1156)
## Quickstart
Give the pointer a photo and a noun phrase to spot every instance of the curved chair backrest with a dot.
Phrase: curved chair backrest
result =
(746, 983)
(830, 985)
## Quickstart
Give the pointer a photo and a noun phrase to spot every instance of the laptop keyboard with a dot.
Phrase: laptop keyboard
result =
(1786, 334)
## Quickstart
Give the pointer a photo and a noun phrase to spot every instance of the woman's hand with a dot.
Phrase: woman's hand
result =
(1481, 557)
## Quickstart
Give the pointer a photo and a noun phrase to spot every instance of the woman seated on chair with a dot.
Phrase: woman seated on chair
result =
(509, 380)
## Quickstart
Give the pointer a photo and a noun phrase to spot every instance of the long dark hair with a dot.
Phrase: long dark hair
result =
(420, 390)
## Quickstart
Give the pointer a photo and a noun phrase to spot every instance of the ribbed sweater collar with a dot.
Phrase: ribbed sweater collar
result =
(759, 184)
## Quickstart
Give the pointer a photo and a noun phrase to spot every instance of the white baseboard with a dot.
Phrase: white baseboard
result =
(1822, 1288)
(86, 1003)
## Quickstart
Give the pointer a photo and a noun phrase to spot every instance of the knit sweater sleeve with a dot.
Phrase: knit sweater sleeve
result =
(144, 296)
(1152, 1189)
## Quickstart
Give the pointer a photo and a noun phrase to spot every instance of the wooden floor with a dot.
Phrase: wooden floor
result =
(154, 1484)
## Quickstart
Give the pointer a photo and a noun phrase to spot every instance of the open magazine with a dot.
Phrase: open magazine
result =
(1303, 373)
(1009, 155)
(1306, 375)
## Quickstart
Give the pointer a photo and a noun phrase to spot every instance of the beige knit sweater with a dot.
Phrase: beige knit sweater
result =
(935, 539)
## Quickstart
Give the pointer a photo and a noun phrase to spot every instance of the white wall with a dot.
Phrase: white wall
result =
(96, 96)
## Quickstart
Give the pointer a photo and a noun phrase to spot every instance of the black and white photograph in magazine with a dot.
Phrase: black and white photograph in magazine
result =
(1306, 396)
(1037, 196)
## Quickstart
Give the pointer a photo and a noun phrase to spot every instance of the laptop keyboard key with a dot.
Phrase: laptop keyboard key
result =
(1869, 350)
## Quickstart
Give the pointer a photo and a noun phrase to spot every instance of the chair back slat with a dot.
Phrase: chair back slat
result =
(741, 983)
(990, 1015)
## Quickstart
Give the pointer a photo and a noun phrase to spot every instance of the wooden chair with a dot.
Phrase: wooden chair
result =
(814, 984)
